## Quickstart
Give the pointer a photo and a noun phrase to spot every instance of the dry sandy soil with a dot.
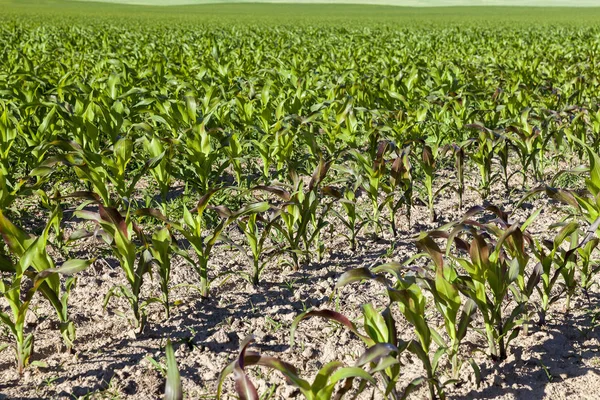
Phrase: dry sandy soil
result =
(560, 360)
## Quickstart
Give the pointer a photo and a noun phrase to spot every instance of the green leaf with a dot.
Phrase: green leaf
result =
(282, 193)
(203, 202)
(252, 209)
(355, 275)
(69, 267)
(173, 389)
(476, 371)
(17, 240)
(375, 325)
(376, 352)
(351, 372)
(324, 374)
(437, 356)
(39, 364)
(479, 252)
(514, 270)
(466, 317)
(412, 386)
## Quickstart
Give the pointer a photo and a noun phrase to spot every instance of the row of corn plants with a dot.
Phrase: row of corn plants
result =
(491, 278)
(166, 157)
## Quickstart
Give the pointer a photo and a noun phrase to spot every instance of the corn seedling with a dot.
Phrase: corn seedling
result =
(447, 299)
(458, 152)
(323, 387)
(401, 181)
(380, 330)
(427, 163)
(495, 268)
(202, 240)
(350, 218)
(370, 175)
(299, 213)
(29, 260)
(257, 230)
(162, 251)
(483, 155)
(118, 232)
(558, 261)
(405, 292)
(161, 152)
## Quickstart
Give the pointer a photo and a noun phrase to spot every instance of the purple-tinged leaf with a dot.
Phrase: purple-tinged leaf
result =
(276, 190)
(319, 174)
(151, 212)
(427, 244)
(203, 202)
(327, 314)
(112, 215)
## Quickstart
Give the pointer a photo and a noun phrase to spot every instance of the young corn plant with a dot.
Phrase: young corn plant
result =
(201, 161)
(401, 181)
(257, 230)
(444, 286)
(483, 155)
(587, 267)
(27, 260)
(351, 220)
(300, 221)
(496, 267)
(458, 152)
(519, 247)
(560, 261)
(323, 387)
(193, 228)
(568, 272)
(281, 149)
(263, 149)
(234, 151)
(96, 169)
(51, 202)
(173, 388)
(408, 296)
(551, 266)
(371, 175)
(201, 239)
(9, 187)
(161, 152)
(162, 252)
(380, 331)
(529, 143)
(584, 204)
(503, 154)
(118, 232)
(427, 163)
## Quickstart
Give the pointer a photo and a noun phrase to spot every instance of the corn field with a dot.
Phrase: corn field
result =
(327, 210)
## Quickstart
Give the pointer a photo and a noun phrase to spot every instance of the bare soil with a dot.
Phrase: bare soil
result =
(560, 360)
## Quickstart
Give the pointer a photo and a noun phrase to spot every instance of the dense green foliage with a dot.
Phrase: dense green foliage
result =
(277, 129)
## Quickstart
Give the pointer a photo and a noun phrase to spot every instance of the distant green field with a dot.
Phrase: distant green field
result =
(403, 3)
(345, 14)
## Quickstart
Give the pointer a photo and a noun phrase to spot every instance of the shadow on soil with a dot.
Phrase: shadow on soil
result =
(554, 358)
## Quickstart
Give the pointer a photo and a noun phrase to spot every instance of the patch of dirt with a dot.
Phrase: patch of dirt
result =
(110, 360)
